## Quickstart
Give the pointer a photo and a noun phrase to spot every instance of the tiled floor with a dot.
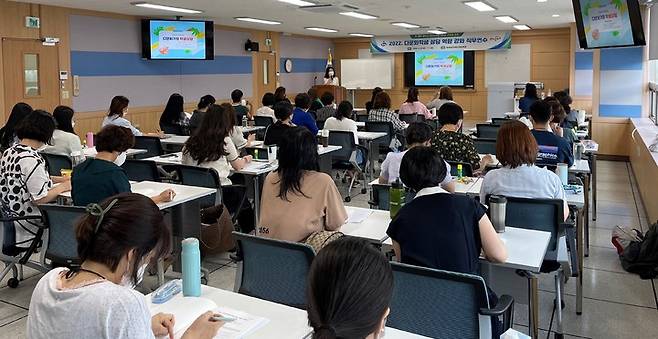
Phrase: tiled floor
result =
(616, 305)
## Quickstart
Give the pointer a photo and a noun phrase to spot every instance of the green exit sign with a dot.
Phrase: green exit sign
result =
(32, 22)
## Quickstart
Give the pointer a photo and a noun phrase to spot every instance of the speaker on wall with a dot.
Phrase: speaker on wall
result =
(251, 46)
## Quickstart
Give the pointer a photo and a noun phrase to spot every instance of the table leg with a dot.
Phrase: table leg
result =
(580, 245)
(256, 179)
(533, 305)
(586, 182)
(185, 223)
(593, 166)
(373, 159)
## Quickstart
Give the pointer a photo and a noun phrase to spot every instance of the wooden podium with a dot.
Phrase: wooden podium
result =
(340, 93)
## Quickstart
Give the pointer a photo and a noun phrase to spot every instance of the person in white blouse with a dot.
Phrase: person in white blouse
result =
(267, 110)
(441, 97)
(64, 141)
(330, 77)
(342, 121)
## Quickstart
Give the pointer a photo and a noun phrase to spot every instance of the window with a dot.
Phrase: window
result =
(31, 75)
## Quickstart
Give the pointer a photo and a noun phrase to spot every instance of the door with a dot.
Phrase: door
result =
(31, 74)
(265, 75)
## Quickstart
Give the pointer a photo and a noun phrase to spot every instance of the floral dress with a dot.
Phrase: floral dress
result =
(458, 147)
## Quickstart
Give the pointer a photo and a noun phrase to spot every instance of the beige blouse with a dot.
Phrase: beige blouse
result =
(299, 216)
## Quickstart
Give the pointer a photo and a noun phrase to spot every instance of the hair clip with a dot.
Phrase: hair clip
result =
(97, 211)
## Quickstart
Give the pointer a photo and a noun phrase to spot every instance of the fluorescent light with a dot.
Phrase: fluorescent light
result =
(298, 2)
(480, 6)
(405, 25)
(321, 29)
(359, 15)
(506, 19)
(436, 31)
(542, 0)
(166, 8)
(556, 15)
(363, 35)
(522, 27)
(258, 21)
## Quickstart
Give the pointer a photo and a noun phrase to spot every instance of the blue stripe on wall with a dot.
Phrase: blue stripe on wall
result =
(584, 60)
(85, 63)
(304, 65)
(622, 58)
(620, 111)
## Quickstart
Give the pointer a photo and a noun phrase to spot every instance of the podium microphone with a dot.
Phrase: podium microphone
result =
(315, 80)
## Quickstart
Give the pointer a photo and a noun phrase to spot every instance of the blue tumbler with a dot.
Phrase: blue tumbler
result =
(191, 260)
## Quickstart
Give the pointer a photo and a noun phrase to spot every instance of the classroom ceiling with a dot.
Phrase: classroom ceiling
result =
(449, 15)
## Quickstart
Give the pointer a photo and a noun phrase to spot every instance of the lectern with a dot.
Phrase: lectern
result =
(340, 93)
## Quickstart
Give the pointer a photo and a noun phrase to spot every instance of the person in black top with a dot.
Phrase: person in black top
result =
(283, 114)
(553, 149)
(529, 97)
(200, 112)
(316, 103)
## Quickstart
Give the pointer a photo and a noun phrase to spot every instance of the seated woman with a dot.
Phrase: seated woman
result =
(350, 286)
(101, 177)
(8, 131)
(559, 116)
(414, 106)
(236, 131)
(280, 95)
(25, 181)
(370, 103)
(452, 144)
(441, 97)
(381, 111)
(297, 185)
(174, 119)
(200, 111)
(116, 241)
(274, 132)
(267, 110)
(342, 120)
(516, 149)
(64, 141)
(417, 134)
(211, 145)
(117, 113)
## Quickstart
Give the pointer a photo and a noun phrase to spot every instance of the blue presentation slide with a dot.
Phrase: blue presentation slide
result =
(606, 23)
(178, 39)
(439, 68)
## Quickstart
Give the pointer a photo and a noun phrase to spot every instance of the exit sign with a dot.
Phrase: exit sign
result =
(32, 22)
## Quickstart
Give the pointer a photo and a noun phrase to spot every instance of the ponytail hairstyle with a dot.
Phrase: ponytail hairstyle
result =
(119, 224)
(349, 290)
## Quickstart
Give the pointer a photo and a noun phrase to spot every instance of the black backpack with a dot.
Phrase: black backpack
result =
(641, 257)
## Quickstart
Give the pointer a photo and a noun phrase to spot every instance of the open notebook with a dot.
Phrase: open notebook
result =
(187, 309)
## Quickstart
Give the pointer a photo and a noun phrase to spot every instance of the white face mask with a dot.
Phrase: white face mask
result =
(331, 73)
(72, 123)
(120, 159)
(126, 281)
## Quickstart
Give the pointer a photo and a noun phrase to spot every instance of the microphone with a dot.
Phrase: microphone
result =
(315, 80)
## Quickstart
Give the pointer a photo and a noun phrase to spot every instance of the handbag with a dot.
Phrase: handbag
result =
(216, 230)
(320, 239)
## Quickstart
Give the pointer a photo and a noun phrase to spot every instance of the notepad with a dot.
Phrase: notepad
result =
(187, 309)
(357, 216)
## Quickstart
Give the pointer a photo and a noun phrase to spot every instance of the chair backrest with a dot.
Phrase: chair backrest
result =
(438, 304)
(344, 139)
(381, 196)
(152, 146)
(201, 177)
(381, 126)
(260, 120)
(141, 170)
(409, 118)
(57, 162)
(485, 146)
(62, 248)
(274, 270)
(171, 129)
(361, 117)
(487, 131)
(499, 121)
(467, 169)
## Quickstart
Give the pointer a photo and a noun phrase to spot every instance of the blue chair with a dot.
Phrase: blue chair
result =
(141, 170)
(443, 304)
(56, 162)
(346, 158)
(62, 246)
(547, 215)
(385, 127)
(487, 131)
(409, 118)
(273, 270)
(485, 146)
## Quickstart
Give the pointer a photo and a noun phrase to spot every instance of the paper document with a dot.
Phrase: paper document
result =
(357, 216)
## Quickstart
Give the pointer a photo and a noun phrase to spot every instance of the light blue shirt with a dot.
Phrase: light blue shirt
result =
(121, 121)
(522, 182)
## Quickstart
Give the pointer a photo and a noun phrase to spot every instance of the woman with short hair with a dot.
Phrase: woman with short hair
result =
(413, 106)
(381, 111)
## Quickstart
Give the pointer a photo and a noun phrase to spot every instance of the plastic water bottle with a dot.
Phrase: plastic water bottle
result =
(244, 121)
(191, 261)
(90, 139)
(460, 171)
(396, 197)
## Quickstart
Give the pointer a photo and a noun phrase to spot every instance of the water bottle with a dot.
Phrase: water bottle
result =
(90, 139)
(497, 209)
(460, 171)
(396, 197)
(191, 261)
(244, 121)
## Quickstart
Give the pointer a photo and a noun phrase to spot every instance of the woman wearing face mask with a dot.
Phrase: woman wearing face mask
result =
(25, 181)
(349, 291)
(98, 178)
(64, 140)
(116, 241)
(330, 77)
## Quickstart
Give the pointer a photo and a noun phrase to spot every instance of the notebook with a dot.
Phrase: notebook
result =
(188, 309)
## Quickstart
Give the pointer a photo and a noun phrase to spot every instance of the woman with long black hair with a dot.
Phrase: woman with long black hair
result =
(299, 186)
(174, 120)
(8, 132)
(65, 141)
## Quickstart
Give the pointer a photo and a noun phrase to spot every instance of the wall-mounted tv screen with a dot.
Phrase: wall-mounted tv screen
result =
(439, 68)
(608, 23)
(177, 40)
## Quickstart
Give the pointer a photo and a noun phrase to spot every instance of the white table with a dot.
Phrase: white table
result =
(373, 228)
(284, 321)
(582, 134)
(90, 152)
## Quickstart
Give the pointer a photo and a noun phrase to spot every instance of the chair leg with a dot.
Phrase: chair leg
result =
(20, 272)
(558, 303)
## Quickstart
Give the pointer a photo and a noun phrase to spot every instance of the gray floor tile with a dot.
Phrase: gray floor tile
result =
(545, 309)
(21, 295)
(600, 237)
(615, 196)
(27, 272)
(614, 186)
(15, 330)
(524, 329)
(627, 208)
(223, 278)
(613, 177)
(609, 221)
(603, 320)
(604, 259)
(10, 313)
